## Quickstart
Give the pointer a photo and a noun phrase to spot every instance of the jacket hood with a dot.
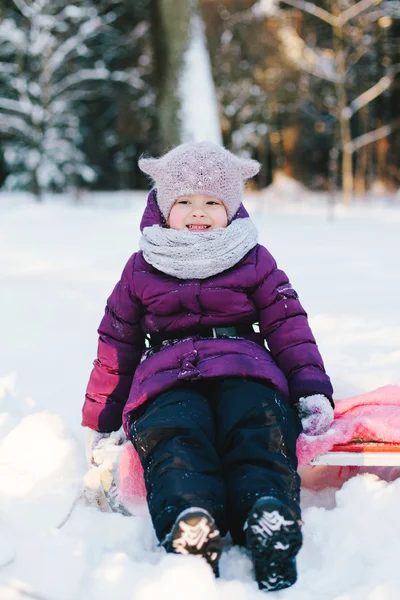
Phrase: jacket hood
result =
(152, 214)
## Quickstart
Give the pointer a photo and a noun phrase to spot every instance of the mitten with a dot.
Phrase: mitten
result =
(100, 445)
(316, 414)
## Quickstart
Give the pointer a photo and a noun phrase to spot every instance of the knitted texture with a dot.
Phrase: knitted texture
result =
(199, 168)
(190, 255)
(316, 413)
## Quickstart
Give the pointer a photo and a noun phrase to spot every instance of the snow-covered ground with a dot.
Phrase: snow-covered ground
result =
(58, 263)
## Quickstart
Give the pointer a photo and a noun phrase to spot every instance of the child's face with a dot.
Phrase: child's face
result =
(197, 213)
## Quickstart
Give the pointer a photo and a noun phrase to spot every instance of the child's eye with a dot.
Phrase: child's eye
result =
(183, 202)
(213, 202)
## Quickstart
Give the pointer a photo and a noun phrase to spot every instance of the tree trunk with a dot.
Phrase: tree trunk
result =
(344, 121)
(361, 171)
(171, 25)
(36, 188)
(382, 153)
(187, 102)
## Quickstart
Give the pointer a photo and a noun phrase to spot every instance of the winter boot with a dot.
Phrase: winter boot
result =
(273, 537)
(195, 532)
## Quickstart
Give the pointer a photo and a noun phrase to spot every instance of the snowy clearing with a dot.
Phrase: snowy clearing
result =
(58, 263)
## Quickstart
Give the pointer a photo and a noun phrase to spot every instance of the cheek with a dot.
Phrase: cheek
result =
(221, 218)
(176, 218)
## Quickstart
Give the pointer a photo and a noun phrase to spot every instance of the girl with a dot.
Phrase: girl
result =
(213, 414)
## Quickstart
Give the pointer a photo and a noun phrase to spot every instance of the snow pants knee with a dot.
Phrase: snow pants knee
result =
(218, 445)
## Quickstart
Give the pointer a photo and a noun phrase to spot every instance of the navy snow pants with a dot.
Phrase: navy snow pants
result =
(218, 445)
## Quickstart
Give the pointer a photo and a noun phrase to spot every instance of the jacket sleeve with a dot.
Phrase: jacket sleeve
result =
(284, 326)
(120, 346)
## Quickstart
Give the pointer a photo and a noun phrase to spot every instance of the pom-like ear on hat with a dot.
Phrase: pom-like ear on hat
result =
(249, 167)
(150, 166)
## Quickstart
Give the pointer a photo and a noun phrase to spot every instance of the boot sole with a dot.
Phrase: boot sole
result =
(274, 538)
(202, 539)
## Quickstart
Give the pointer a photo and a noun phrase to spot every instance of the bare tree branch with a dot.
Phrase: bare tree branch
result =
(71, 510)
(8, 563)
(371, 136)
(376, 90)
(304, 57)
(355, 10)
(357, 55)
(311, 8)
(324, 15)
(387, 9)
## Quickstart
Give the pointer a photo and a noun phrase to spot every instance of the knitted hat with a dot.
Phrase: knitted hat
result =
(199, 168)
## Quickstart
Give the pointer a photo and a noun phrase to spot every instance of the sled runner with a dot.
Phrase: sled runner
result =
(361, 454)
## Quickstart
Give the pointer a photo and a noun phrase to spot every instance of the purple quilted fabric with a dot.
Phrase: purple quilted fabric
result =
(146, 300)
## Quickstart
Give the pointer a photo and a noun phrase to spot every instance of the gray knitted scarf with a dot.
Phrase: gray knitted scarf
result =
(197, 255)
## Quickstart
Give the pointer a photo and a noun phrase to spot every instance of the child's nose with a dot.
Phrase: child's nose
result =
(198, 211)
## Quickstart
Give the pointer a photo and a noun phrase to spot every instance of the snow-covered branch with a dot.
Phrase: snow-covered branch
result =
(89, 28)
(52, 53)
(17, 106)
(101, 74)
(86, 30)
(9, 123)
(131, 78)
(71, 12)
(24, 8)
(81, 76)
(7, 69)
(10, 33)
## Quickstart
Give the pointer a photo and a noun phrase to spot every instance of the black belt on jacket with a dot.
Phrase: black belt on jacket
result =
(156, 339)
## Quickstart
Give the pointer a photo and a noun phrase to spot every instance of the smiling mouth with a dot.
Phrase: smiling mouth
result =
(194, 227)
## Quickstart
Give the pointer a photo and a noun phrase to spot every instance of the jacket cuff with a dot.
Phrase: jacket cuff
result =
(102, 417)
(310, 381)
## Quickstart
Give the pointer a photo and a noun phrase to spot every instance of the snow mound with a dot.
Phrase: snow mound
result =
(33, 453)
(40, 470)
(353, 547)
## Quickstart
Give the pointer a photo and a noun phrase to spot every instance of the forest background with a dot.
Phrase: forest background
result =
(311, 90)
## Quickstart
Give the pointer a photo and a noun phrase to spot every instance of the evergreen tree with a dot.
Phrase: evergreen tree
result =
(55, 57)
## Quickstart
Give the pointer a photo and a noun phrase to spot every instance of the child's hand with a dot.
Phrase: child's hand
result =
(98, 445)
(316, 414)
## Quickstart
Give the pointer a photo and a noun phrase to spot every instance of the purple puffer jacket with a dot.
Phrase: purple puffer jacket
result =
(146, 300)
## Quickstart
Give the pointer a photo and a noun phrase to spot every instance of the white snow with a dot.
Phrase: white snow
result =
(58, 263)
(266, 7)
